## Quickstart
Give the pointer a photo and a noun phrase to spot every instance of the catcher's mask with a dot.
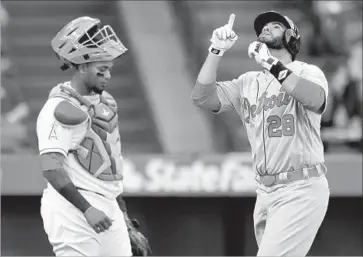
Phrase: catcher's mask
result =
(84, 40)
(291, 38)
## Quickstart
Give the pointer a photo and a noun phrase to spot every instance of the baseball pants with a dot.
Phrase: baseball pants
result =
(70, 234)
(287, 220)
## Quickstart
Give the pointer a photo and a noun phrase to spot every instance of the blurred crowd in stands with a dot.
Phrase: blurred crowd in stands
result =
(335, 38)
(14, 108)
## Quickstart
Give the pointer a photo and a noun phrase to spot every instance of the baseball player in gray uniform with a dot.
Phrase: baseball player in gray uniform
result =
(280, 108)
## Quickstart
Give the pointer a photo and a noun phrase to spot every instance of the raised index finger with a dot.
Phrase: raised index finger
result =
(231, 20)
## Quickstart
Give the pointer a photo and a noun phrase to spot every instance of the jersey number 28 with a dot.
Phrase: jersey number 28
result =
(286, 123)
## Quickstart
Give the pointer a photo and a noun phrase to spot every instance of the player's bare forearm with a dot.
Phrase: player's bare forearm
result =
(54, 173)
(308, 93)
(204, 93)
(208, 72)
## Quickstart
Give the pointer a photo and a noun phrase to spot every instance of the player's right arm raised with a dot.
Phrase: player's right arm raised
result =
(55, 128)
(205, 91)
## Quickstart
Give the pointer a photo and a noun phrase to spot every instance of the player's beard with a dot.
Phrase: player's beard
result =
(94, 88)
(92, 85)
(97, 90)
(275, 43)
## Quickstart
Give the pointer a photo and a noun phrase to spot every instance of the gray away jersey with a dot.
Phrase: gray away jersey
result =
(283, 134)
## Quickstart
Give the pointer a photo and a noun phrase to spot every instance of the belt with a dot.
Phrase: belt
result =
(288, 177)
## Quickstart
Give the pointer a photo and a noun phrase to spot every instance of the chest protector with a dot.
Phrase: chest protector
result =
(99, 152)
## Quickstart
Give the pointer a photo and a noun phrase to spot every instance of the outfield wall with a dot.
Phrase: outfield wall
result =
(187, 205)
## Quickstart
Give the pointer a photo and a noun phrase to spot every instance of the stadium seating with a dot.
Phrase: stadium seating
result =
(32, 26)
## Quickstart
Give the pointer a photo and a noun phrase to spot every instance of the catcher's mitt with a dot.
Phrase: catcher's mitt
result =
(139, 243)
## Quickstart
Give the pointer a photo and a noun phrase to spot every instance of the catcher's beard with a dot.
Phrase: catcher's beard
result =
(97, 90)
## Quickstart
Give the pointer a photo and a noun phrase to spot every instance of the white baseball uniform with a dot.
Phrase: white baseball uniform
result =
(94, 164)
(284, 137)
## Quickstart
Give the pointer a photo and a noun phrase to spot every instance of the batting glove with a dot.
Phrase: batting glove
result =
(223, 38)
(262, 55)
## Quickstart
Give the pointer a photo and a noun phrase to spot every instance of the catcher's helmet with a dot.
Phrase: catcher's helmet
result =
(84, 40)
(291, 38)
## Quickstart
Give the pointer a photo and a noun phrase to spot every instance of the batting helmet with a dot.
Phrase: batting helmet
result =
(291, 38)
(84, 40)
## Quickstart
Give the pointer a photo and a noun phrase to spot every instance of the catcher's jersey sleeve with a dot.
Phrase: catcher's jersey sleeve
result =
(316, 75)
(229, 93)
(52, 135)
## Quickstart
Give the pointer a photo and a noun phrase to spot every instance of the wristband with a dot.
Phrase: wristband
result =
(280, 72)
(88, 209)
(216, 51)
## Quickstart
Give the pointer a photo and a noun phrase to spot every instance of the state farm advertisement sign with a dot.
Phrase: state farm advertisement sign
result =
(210, 175)
(184, 175)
